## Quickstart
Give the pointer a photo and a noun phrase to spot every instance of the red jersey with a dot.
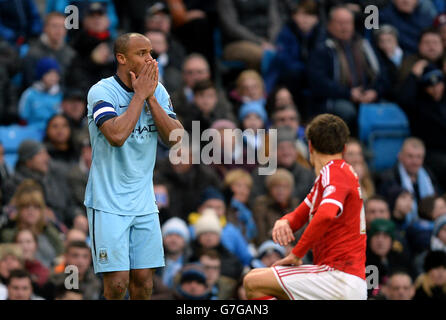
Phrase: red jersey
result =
(337, 237)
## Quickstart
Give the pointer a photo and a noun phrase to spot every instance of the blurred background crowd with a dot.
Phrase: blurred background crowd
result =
(247, 64)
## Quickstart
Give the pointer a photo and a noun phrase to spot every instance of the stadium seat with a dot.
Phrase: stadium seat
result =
(11, 136)
(382, 128)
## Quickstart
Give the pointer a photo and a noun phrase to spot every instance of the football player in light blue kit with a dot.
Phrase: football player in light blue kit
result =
(126, 113)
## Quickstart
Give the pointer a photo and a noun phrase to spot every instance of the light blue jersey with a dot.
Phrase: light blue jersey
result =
(120, 179)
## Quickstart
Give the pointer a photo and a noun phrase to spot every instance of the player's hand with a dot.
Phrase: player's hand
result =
(147, 80)
(282, 233)
(289, 260)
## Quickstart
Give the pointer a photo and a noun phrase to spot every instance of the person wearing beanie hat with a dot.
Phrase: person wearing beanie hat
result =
(256, 107)
(28, 149)
(208, 223)
(382, 226)
(267, 254)
(175, 241)
(192, 283)
(42, 100)
(252, 115)
(431, 285)
(438, 239)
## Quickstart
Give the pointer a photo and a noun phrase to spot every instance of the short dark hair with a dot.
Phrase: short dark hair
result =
(426, 207)
(18, 274)
(429, 30)
(211, 253)
(310, 7)
(327, 133)
(77, 244)
(121, 43)
(375, 197)
(203, 85)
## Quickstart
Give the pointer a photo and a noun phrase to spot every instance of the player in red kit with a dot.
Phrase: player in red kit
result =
(336, 230)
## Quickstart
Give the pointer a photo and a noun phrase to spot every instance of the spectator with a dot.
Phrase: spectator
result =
(390, 54)
(34, 163)
(400, 203)
(9, 91)
(59, 141)
(192, 283)
(278, 97)
(272, 206)
(186, 182)
(41, 101)
(73, 107)
(431, 285)
(425, 104)
(20, 286)
(430, 51)
(344, 71)
(195, 68)
(20, 21)
(298, 37)
(208, 235)
(169, 75)
(253, 117)
(231, 236)
(70, 236)
(287, 154)
(380, 253)
(176, 243)
(93, 44)
(77, 176)
(28, 241)
(399, 286)
(77, 254)
(438, 239)
(32, 215)
(62, 293)
(249, 28)
(440, 23)
(11, 258)
(409, 174)
(51, 43)
(268, 253)
(238, 185)
(204, 107)
(4, 171)
(409, 17)
(249, 86)
(221, 286)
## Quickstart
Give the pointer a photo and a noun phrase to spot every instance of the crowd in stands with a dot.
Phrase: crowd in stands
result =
(229, 64)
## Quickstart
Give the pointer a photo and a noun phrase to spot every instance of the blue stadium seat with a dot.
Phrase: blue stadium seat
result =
(382, 128)
(11, 136)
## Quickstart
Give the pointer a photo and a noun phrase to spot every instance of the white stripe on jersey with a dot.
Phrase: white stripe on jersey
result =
(102, 110)
(335, 202)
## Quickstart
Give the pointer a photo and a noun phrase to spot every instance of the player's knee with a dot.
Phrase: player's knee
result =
(250, 281)
(115, 288)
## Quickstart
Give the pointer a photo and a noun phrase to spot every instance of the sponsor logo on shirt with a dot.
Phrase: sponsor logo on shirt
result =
(328, 190)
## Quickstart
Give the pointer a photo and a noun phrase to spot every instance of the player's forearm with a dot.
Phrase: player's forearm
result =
(316, 228)
(164, 124)
(298, 217)
(118, 129)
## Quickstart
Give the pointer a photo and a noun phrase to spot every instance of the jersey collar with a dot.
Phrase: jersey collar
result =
(122, 84)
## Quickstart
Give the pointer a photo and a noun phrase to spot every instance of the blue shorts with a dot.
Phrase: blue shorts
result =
(123, 242)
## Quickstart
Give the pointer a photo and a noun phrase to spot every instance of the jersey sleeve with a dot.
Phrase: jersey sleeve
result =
(335, 188)
(163, 98)
(101, 105)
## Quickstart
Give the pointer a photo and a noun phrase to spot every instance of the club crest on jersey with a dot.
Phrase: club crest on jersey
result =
(328, 190)
(103, 257)
(146, 107)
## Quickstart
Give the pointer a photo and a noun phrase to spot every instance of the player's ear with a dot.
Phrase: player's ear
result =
(121, 58)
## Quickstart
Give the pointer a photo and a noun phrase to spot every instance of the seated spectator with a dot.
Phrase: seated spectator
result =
(70, 236)
(297, 38)
(221, 286)
(191, 283)
(28, 241)
(169, 75)
(438, 239)
(248, 28)
(231, 236)
(11, 258)
(420, 231)
(42, 100)
(59, 141)
(32, 215)
(344, 70)
(62, 293)
(51, 43)
(176, 244)
(400, 203)
(278, 97)
(20, 21)
(186, 182)
(252, 116)
(204, 107)
(74, 106)
(410, 174)
(267, 254)
(431, 285)
(380, 253)
(272, 206)
(390, 54)
(20, 286)
(410, 18)
(93, 44)
(34, 163)
(287, 155)
(9, 91)
(195, 68)
(425, 103)
(237, 187)
(249, 86)
(208, 235)
(399, 286)
(78, 254)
